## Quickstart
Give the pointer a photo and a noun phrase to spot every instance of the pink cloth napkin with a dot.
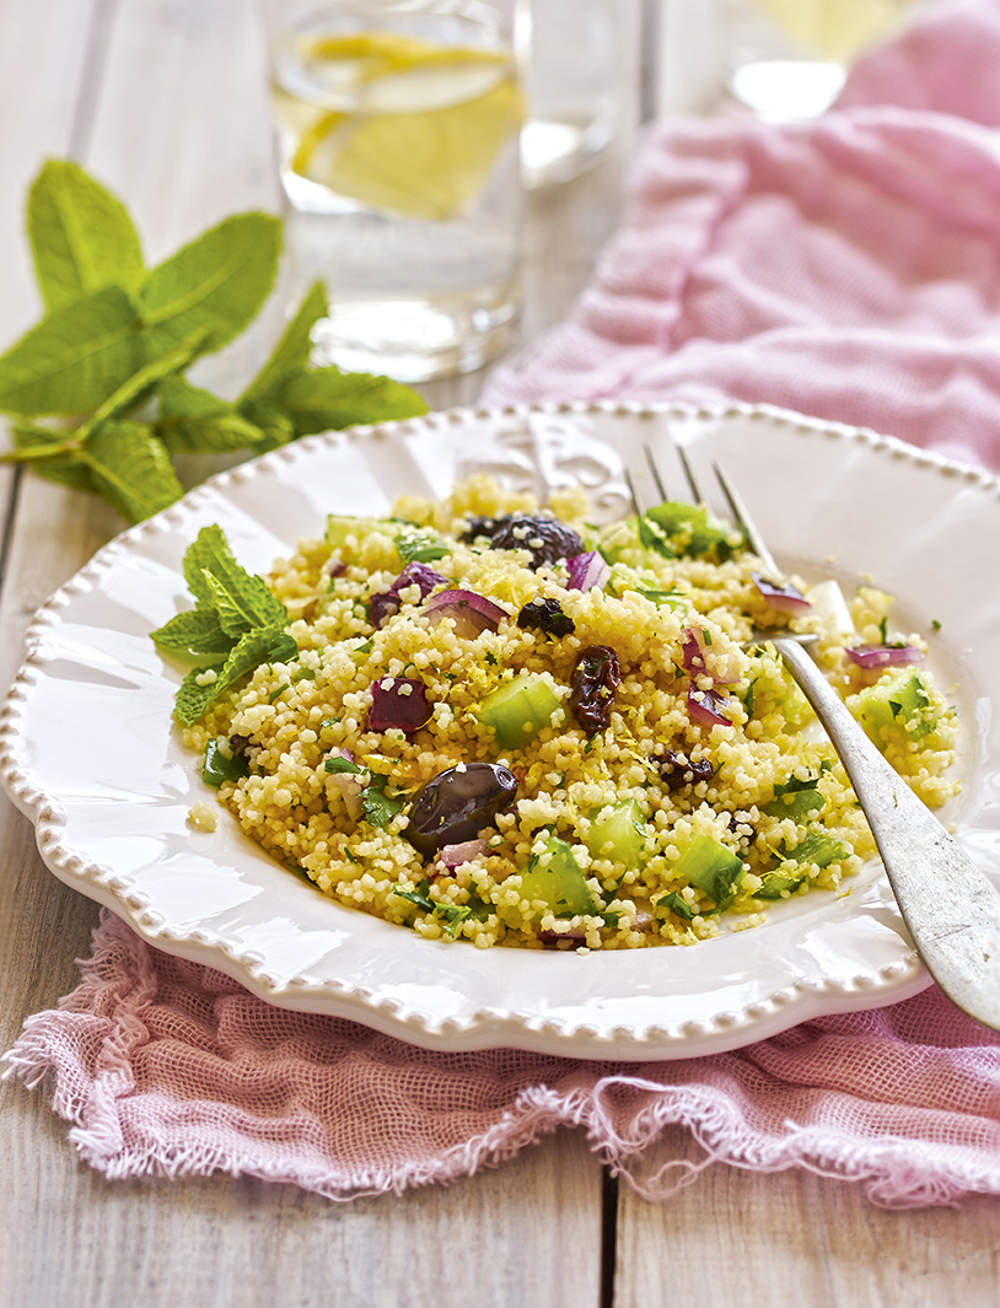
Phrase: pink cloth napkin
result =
(849, 268)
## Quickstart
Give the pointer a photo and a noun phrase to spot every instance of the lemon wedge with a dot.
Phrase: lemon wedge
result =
(834, 29)
(421, 125)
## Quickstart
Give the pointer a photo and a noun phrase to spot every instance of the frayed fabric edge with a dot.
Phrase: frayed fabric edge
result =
(885, 1167)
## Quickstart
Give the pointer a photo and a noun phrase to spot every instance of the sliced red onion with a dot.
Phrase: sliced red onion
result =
(576, 937)
(387, 602)
(336, 567)
(884, 656)
(398, 702)
(587, 571)
(692, 655)
(348, 785)
(789, 599)
(453, 856)
(472, 613)
(705, 707)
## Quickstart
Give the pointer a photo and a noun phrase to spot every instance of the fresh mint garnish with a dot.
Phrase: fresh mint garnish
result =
(237, 624)
(340, 764)
(105, 367)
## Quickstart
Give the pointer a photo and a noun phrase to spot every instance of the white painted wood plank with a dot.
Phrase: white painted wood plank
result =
(795, 1240)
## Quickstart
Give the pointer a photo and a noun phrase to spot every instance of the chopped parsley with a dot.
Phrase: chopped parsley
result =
(379, 807)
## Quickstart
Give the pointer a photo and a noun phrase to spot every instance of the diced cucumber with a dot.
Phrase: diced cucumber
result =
(797, 805)
(555, 878)
(898, 702)
(621, 836)
(339, 527)
(818, 848)
(692, 530)
(217, 768)
(711, 867)
(518, 710)
(676, 904)
(775, 884)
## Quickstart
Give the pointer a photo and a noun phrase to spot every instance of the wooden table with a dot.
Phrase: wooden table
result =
(163, 100)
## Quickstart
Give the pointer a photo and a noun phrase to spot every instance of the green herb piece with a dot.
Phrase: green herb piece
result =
(935, 624)
(491, 658)
(363, 650)
(264, 645)
(216, 282)
(194, 421)
(305, 674)
(291, 354)
(379, 808)
(818, 848)
(349, 856)
(217, 768)
(706, 635)
(75, 357)
(81, 236)
(420, 896)
(279, 691)
(454, 915)
(130, 467)
(194, 632)
(676, 904)
(328, 724)
(325, 398)
(660, 597)
(340, 764)
(611, 919)
(115, 333)
(216, 580)
(882, 631)
(420, 545)
(653, 537)
(748, 700)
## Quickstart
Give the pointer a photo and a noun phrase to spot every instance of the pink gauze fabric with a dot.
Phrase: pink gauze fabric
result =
(849, 268)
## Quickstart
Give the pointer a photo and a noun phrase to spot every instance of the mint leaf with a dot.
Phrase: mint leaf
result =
(264, 645)
(74, 358)
(195, 632)
(66, 469)
(130, 468)
(420, 896)
(325, 398)
(291, 354)
(217, 581)
(420, 545)
(277, 426)
(217, 768)
(195, 421)
(676, 904)
(137, 387)
(218, 282)
(379, 807)
(340, 764)
(82, 237)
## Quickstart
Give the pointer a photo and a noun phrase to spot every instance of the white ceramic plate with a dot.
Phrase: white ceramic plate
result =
(88, 753)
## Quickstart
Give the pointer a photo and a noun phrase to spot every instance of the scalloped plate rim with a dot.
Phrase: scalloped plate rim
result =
(483, 1027)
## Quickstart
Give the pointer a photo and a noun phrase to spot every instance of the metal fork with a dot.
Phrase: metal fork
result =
(952, 910)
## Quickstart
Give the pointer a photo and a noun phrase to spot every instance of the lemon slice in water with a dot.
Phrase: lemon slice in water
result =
(421, 125)
(835, 29)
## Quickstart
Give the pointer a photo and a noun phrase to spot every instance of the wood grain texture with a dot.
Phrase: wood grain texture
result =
(176, 121)
(792, 1238)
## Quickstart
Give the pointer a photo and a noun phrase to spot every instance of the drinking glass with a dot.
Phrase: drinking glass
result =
(397, 125)
(788, 59)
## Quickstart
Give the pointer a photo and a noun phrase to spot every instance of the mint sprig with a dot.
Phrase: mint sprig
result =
(97, 387)
(235, 626)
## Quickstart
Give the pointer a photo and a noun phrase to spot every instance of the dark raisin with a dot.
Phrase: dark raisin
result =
(677, 770)
(545, 615)
(241, 746)
(483, 527)
(545, 539)
(595, 679)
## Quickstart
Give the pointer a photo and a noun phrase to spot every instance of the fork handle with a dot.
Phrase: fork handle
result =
(951, 908)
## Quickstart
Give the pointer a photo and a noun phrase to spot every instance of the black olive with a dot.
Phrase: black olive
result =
(678, 770)
(480, 527)
(545, 539)
(595, 679)
(456, 804)
(545, 615)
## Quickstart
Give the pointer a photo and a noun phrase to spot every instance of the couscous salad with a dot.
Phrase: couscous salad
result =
(491, 722)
